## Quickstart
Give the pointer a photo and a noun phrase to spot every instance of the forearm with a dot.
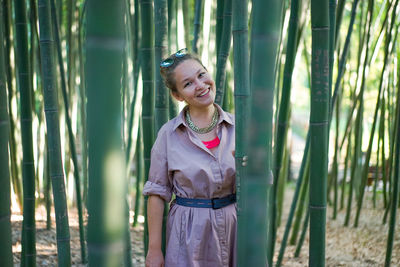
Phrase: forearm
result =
(155, 210)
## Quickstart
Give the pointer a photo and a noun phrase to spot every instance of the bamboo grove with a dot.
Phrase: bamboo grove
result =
(82, 100)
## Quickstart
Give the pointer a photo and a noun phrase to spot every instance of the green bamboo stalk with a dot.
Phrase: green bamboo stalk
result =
(286, 88)
(46, 174)
(161, 113)
(53, 132)
(107, 191)
(377, 163)
(82, 94)
(396, 189)
(383, 156)
(125, 109)
(332, 44)
(124, 87)
(242, 97)
(70, 46)
(335, 164)
(281, 185)
(186, 21)
(392, 164)
(266, 22)
(28, 172)
(342, 61)
(197, 25)
(160, 52)
(319, 126)
(229, 104)
(346, 164)
(283, 110)
(219, 23)
(147, 64)
(354, 163)
(223, 52)
(6, 256)
(125, 104)
(302, 201)
(293, 205)
(172, 36)
(71, 137)
(303, 234)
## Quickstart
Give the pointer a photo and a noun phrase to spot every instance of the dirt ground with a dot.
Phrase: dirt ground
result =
(345, 246)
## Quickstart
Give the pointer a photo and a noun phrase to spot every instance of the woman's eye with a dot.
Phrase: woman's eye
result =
(202, 74)
(187, 84)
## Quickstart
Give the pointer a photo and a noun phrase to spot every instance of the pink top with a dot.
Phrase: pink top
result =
(212, 143)
(182, 165)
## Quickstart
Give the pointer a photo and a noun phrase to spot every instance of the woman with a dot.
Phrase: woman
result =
(192, 158)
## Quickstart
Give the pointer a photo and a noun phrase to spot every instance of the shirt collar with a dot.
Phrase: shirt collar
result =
(223, 116)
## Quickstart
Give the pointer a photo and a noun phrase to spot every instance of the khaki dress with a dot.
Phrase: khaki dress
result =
(182, 165)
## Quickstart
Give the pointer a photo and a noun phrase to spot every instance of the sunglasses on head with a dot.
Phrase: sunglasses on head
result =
(171, 59)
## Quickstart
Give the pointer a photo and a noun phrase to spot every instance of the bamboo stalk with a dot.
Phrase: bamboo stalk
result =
(332, 44)
(161, 113)
(107, 178)
(242, 97)
(396, 183)
(147, 64)
(53, 132)
(346, 164)
(28, 172)
(46, 174)
(266, 22)
(346, 47)
(383, 156)
(219, 23)
(197, 25)
(6, 256)
(186, 21)
(335, 164)
(302, 201)
(303, 233)
(319, 127)
(223, 52)
(82, 93)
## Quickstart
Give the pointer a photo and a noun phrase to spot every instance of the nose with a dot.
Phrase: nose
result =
(199, 84)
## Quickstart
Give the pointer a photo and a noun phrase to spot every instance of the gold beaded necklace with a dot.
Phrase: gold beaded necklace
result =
(206, 129)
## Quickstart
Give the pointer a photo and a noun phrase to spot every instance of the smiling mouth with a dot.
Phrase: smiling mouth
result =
(204, 93)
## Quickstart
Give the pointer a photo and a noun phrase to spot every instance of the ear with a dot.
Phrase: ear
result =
(177, 96)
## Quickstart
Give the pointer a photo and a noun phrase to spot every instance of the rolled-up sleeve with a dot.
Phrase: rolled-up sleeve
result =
(158, 182)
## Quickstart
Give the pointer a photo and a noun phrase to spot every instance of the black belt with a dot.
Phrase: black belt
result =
(214, 203)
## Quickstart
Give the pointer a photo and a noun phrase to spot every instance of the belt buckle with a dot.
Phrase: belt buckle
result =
(215, 205)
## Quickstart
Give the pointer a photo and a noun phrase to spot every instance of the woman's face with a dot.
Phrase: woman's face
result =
(194, 84)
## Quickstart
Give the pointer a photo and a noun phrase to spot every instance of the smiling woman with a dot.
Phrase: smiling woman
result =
(192, 159)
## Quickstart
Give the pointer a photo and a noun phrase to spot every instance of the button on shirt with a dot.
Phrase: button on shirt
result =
(182, 165)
